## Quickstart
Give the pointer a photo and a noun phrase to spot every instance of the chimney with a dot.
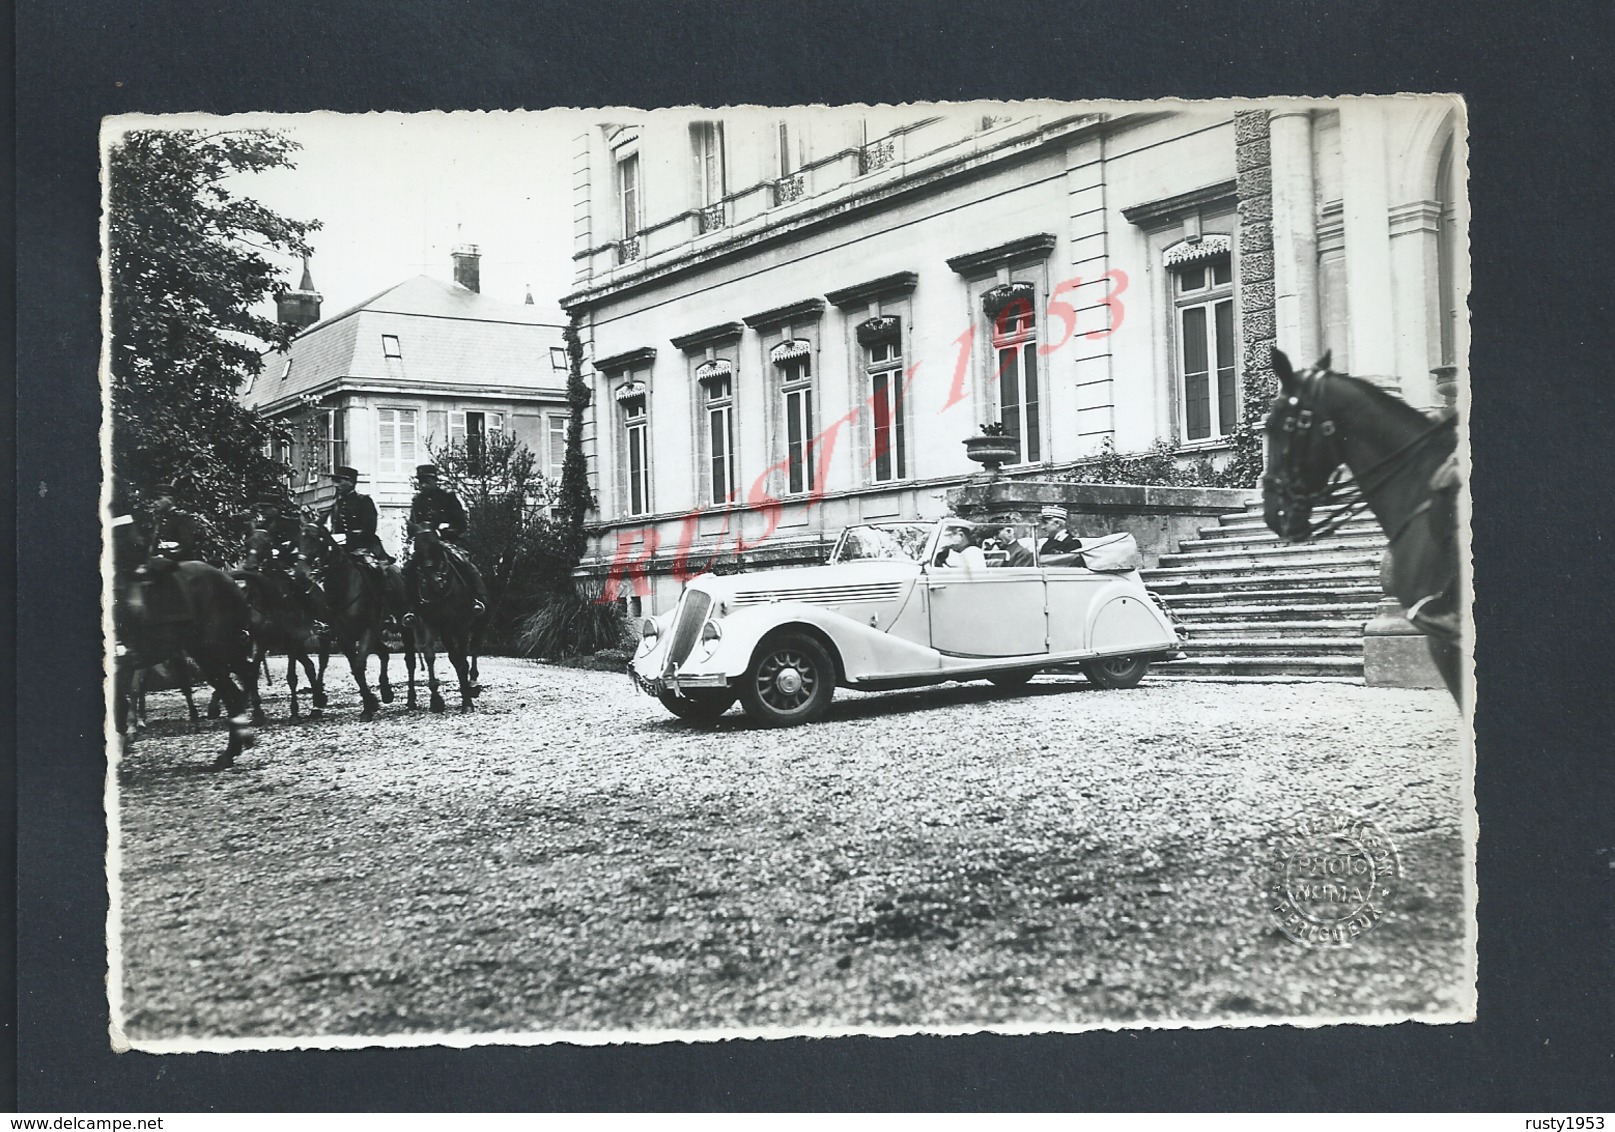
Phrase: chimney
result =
(299, 309)
(468, 266)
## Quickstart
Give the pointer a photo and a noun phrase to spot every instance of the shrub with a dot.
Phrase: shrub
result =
(574, 620)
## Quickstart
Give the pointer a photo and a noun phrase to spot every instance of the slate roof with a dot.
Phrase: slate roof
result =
(451, 339)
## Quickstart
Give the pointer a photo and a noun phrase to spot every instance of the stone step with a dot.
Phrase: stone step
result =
(1194, 615)
(1157, 675)
(1209, 625)
(1356, 587)
(1281, 555)
(1275, 648)
(1322, 571)
(1257, 506)
(1216, 538)
(1241, 524)
(1332, 666)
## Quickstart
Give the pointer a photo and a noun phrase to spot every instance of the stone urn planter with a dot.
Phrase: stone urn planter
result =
(992, 449)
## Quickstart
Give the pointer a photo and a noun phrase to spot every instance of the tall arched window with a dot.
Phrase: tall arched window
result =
(716, 381)
(793, 368)
(1012, 319)
(1203, 327)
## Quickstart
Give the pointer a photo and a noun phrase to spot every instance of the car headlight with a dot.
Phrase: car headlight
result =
(710, 632)
(648, 629)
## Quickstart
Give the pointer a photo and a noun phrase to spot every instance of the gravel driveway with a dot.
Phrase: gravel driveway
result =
(570, 858)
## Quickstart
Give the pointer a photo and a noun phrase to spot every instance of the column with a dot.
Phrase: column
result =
(1365, 204)
(1295, 236)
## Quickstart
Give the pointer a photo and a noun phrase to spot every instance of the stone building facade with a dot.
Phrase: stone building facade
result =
(422, 364)
(792, 320)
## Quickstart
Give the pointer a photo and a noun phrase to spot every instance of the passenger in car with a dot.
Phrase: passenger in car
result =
(1012, 551)
(1060, 547)
(959, 552)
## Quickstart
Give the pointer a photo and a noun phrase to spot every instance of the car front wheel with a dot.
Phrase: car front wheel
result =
(701, 706)
(1116, 671)
(790, 681)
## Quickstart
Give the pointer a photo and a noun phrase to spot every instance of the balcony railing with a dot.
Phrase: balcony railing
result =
(710, 218)
(788, 189)
(877, 155)
(628, 250)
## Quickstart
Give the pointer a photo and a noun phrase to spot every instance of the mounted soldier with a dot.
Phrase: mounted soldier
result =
(439, 510)
(173, 532)
(171, 539)
(272, 550)
(351, 519)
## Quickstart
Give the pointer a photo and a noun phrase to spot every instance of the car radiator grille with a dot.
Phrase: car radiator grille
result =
(692, 614)
(822, 595)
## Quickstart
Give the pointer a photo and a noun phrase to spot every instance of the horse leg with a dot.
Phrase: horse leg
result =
(316, 695)
(409, 663)
(318, 680)
(133, 700)
(462, 669)
(260, 657)
(358, 654)
(430, 652)
(216, 670)
(291, 680)
(386, 683)
(190, 698)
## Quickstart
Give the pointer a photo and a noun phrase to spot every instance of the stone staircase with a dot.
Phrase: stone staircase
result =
(1252, 608)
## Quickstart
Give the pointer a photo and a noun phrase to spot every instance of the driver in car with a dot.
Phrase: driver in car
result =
(959, 552)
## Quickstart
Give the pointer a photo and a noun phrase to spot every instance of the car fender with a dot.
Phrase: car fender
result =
(862, 649)
(1123, 619)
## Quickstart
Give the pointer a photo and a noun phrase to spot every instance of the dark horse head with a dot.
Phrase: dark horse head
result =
(1303, 449)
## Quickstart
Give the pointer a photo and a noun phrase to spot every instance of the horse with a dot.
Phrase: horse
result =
(166, 611)
(359, 600)
(1403, 466)
(445, 611)
(280, 624)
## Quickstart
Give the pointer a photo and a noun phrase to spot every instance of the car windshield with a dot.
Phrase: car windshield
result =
(903, 542)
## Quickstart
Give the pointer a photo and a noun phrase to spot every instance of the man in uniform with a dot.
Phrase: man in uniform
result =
(173, 532)
(173, 540)
(352, 521)
(1057, 541)
(352, 518)
(273, 547)
(437, 508)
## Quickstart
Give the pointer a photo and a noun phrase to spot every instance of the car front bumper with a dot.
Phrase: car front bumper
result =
(674, 682)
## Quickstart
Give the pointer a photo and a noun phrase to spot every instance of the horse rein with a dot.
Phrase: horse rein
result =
(1351, 494)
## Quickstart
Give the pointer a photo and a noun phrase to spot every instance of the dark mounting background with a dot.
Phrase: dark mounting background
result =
(1540, 184)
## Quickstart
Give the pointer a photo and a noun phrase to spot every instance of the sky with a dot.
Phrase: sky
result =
(395, 192)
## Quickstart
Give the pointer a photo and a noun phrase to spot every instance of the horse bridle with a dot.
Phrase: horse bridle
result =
(1306, 425)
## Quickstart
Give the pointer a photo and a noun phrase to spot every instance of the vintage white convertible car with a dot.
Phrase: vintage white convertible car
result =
(901, 604)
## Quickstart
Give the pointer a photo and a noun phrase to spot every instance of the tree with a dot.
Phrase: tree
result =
(188, 265)
(574, 501)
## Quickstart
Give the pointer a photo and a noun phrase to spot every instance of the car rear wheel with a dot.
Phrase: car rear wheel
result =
(1012, 680)
(1116, 671)
(699, 705)
(790, 681)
